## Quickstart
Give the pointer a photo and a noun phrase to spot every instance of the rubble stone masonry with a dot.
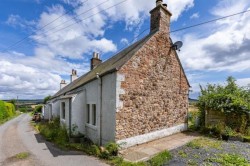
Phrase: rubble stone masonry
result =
(156, 90)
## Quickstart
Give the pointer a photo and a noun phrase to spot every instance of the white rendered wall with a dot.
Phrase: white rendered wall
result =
(56, 109)
(128, 142)
(108, 108)
(78, 112)
(46, 112)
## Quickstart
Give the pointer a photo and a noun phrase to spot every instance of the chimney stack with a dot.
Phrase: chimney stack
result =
(160, 17)
(73, 76)
(63, 84)
(95, 61)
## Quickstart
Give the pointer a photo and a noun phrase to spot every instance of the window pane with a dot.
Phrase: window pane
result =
(88, 114)
(63, 110)
(94, 114)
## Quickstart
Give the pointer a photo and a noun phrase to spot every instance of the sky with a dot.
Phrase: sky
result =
(41, 41)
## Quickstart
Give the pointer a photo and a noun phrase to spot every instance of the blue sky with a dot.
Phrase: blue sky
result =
(34, 68)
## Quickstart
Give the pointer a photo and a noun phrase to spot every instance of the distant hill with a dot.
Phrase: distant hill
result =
(24, 101)
(191, 101)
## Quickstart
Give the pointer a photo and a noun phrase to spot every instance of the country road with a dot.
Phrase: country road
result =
(17, 136)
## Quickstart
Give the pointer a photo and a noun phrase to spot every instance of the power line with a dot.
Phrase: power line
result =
(76, 16)
(188, 27)
(221, 18)
(86, 18)
(68, 21)
(26, 37)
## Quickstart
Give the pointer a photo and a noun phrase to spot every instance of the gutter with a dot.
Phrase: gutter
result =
(100, 101)
(70, 115)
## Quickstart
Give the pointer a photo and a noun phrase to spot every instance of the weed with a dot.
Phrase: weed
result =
(182, 154)
(229, 159)
(192, 163)
(22, 155)
(204, 143)
(196, 156)
(160, 159)
(118, 161)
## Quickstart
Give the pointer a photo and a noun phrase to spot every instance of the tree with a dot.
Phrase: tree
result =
(228, 99)
(46, 99)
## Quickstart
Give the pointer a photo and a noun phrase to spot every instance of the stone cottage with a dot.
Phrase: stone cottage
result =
(138, 95)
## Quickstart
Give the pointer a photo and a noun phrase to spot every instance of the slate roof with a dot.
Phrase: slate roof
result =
(111, 65)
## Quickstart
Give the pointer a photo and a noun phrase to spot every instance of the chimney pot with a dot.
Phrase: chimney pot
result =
(95, 60)
(63, 84)
(73, 76)
(158, 2)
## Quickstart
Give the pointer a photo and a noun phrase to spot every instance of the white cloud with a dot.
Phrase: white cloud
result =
(177, 7)
(124, 41)
(57, 50)
(26, 82)
(194, 16)
(243, 82)
(226, 47)
(228, 7)
(17, 21)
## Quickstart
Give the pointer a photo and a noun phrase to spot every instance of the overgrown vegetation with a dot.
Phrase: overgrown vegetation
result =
(204, 143)
(54, 132)
(7, 111)
(232, 101)
(229, 159)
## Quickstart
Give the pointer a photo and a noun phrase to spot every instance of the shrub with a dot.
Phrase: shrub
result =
(3, 110)
(10, 109)
(231, 100)
(112, 148)
(38, 109)
(54, 132)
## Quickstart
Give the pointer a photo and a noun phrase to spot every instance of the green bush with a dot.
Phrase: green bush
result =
(3, 110)
(54, 132)
(38, 109)
(10, 109)
(112, 148)
(231, 100)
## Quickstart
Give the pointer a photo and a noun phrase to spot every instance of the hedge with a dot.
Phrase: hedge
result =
(3, 110)
(6, 110)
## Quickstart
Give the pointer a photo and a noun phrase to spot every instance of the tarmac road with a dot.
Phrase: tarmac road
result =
(18, 136)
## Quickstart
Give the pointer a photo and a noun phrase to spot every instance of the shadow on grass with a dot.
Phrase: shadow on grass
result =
(54, 150)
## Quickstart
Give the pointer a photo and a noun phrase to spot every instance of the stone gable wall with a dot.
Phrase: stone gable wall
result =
(155, 90)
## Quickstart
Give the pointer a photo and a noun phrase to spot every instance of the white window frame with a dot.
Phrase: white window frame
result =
(63, 110)
(91, 115)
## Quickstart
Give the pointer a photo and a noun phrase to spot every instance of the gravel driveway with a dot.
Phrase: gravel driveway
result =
(200, 152)
(17, 136)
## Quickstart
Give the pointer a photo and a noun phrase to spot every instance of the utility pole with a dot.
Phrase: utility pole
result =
(17, 103)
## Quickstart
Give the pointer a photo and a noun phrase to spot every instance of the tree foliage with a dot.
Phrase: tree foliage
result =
(46, 99)
(6, 110)
(228, 99)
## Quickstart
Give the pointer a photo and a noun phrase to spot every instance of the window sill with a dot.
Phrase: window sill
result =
(91, 126)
